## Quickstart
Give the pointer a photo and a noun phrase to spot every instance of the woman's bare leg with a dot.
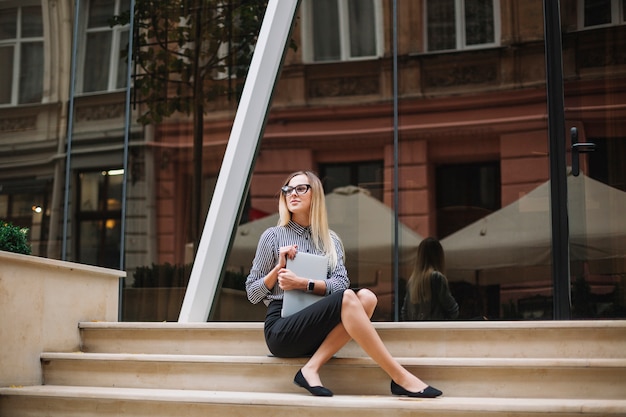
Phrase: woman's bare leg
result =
(336, 339)
(360, 328)
(356, 312)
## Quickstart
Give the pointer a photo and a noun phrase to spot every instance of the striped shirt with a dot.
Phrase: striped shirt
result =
(266, 259)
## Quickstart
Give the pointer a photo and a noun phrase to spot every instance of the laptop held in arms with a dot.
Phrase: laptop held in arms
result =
(306, 265)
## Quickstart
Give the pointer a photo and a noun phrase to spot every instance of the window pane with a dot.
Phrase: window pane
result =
(100, 191)
(325, 30)
(441, 25)
(100, 11)
(90, 185)
(466, 193)
(114, 192)
(479, 22)
(335, 176)
(22, 205)
(597, 12)
(90, 232)
(370, 176)
(362, 28)
(31, 73)
(97, 62)
(32, 24)
(110, 248)
(121, 63)
(124, 6)
(6, 74)
(8, 24)
(100, 242)
(99, 218)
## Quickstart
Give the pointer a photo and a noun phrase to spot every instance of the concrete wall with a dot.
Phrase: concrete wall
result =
(41, 303)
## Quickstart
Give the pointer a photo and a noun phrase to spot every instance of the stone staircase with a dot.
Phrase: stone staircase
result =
(489, 368)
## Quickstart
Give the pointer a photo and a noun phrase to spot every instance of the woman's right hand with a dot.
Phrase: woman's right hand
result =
(286, 252)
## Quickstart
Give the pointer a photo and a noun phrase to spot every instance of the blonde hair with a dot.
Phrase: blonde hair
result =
(430, 258)
(318, 216)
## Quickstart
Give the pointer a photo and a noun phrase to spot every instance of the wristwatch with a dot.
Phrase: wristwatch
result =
(310, 286)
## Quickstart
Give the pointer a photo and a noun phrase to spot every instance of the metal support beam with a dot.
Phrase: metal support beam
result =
(234, 175)
(558, 168)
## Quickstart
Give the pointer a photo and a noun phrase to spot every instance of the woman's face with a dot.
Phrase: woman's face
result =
(299, 204)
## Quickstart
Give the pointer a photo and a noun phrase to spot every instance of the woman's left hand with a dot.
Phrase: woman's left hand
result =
(286, 252)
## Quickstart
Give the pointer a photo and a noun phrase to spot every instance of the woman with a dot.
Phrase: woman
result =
(323, 328)
(428, 296)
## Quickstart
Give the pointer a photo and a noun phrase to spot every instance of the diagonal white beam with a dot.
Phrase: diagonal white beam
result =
(238, 160)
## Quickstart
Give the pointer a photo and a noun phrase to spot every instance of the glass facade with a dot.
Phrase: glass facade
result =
(422, 118)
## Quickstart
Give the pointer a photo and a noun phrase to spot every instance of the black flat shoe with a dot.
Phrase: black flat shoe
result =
(428, 392)
(319, 391)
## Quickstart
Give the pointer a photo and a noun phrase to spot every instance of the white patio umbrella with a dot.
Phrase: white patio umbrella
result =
(519, 235)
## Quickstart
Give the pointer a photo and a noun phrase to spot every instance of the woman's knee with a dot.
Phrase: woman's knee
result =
(368, 299)
(349, 299)
(364, 298)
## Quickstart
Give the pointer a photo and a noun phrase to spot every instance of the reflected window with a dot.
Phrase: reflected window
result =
(101, 47)
(341, 30)
(21, 54)
(606, 162)
(368, 175)
(592, 13)
(466, 193)
(461, 24)
(98, 216)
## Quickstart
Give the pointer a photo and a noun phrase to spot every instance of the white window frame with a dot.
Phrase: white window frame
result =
(459, 24)
(616, 15)
(17, 43)
(114, 51)
(223, 53)
(344, 30)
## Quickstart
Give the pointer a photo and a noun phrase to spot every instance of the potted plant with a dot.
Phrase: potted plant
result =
(14, 238)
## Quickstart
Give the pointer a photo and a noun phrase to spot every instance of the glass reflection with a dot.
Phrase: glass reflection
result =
(473, 161)
(472, 158)
(597, 227)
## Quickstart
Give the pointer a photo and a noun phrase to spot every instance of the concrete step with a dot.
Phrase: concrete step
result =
(465, 377)
(68, 401)
(484, 339)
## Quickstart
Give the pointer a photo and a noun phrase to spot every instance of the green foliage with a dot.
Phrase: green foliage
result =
(234, 280)
(14, 239)
(164, 275)
(189, 52)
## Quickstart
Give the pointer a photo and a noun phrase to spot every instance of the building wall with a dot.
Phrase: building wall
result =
(457, 107)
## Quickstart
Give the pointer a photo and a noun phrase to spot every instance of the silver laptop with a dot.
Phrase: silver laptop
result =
(306, 265)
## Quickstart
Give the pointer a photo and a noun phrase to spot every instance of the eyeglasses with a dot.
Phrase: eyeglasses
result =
(299, 189)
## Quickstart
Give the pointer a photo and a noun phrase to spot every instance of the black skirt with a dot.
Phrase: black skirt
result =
(302, 333)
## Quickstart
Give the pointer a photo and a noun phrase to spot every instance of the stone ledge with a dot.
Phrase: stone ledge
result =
(554, 339)
(386, 404)
(41, 303)
(439, 325)
(37, 261)
(462, 377)
(345, 361)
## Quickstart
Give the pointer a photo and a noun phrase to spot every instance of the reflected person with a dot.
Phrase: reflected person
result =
(428, 295)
